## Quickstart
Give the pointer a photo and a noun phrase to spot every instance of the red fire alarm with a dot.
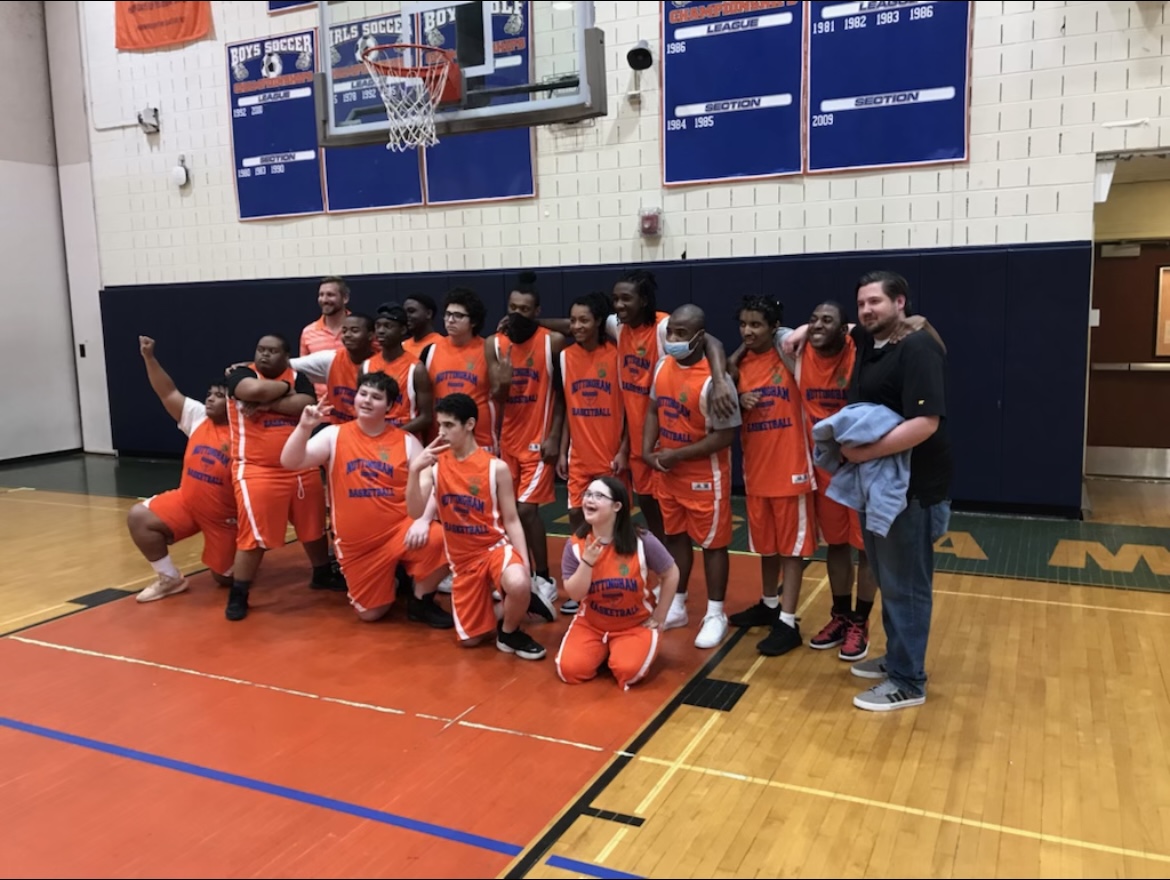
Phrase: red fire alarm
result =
(651, 222)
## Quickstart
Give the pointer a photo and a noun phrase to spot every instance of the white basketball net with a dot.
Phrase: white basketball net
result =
(410, 93)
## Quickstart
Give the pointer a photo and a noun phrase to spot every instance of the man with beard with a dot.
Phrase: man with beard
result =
(267, 399)
(324, 334)
(523, 364)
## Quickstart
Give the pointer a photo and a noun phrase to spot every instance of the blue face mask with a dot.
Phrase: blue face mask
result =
(680, 350)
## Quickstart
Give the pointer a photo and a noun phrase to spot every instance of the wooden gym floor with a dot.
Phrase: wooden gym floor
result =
(167, 742)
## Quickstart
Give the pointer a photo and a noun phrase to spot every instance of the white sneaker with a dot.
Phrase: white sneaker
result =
(163, 587)
(547, 588)
(712, 632)
(676, 617)
(445, 584)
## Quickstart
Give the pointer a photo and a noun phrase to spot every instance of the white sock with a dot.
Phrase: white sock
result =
(787, 618)
(714, 609)
(679, 602)
(772, 602)
(166, 567)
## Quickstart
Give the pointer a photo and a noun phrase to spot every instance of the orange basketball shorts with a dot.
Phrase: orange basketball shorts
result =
(472, 584)
(186, 517)
(267, 499)
(369, 570)
(704, 515)
(782, 526)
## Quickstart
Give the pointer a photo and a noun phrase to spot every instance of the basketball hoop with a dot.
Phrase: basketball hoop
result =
(412, 91)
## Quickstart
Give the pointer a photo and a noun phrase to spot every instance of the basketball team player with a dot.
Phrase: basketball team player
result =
(420, 323)
(606, 566)
(267, 399)
(689, 446)
(595, 441)
(337, 369)
(823, 372)
(368, 460)
(412, 410)
(204, 502)
(457, 362)
(639, 330)
(484, 539)
(523, 360)
(778, 475)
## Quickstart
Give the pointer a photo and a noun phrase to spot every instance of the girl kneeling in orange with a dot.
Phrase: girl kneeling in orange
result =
(606, 567)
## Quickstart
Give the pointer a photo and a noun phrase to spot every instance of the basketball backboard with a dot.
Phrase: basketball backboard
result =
(522, 63)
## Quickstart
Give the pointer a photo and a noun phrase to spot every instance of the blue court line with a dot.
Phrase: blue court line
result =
(589, 868)
(303, 797)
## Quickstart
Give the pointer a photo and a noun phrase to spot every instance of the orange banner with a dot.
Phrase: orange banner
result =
(151, 24)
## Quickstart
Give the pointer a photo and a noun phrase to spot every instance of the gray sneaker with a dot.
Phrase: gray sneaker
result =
(886, 697)
(875, 668)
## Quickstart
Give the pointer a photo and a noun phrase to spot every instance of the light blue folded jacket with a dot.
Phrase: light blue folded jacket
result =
(879, 486)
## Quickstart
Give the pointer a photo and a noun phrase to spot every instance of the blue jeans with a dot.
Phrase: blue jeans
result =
(902, 564)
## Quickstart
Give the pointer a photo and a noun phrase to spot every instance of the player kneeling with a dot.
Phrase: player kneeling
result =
(368, 461)
(482, 531)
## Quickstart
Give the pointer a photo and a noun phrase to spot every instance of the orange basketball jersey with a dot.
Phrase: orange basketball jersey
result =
(776, 458)
(416, 347)
(680, 395)
(619, 594)
(464, 370)
(639, 349)
(528, 409)
(466, 491)
(824, 381)
(593, 405)
(259, 439)
(206, 483)
(404, 408)
(367, 482)
(341, 386)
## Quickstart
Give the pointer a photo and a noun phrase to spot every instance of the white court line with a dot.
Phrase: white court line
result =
(384, 710)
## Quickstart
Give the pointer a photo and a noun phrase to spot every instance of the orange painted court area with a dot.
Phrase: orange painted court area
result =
(301, 741)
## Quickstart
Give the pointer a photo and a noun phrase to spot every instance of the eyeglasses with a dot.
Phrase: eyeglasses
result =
(595, 496)
(455, 316)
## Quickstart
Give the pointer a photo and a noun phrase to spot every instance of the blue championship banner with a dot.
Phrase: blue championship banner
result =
(488, 165)
(275, 7)
(274, 126)
(368, 176)
(887, 83)
(731, 90)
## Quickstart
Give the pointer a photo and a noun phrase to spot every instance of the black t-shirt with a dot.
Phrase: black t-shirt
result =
(301, 384)
(910, 379)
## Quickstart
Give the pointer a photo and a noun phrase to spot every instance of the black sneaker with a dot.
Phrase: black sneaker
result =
(758, 615)
(237, 604)
(427, 610)
(541, 607)
(782, 639)
(334, 580)
(519, 643)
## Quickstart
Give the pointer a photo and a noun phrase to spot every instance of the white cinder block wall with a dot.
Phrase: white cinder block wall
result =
(1046, 76)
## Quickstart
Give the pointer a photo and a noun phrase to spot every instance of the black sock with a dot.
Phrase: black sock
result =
(842, 605)
(241, 585)
(543, 573)
(322, 573)
(862, 612)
